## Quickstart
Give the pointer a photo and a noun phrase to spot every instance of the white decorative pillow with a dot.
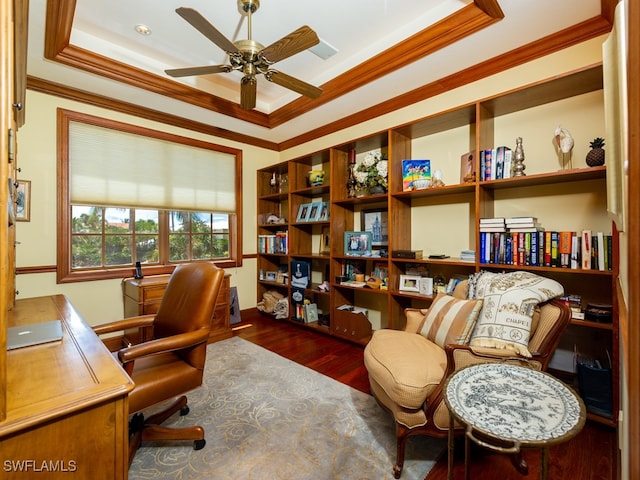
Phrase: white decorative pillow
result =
(510, 300)
(450, 320)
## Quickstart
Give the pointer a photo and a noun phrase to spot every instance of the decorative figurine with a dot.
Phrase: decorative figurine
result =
(518, 159)
(564, 140)
(595, 156)
(437, 179)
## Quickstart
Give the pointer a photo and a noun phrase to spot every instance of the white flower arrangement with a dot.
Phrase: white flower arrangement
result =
(373, 170)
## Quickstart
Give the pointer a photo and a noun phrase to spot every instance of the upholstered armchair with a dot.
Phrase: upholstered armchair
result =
(408, 368)
(169, 359)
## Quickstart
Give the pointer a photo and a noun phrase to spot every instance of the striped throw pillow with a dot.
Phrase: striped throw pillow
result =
(450, 320)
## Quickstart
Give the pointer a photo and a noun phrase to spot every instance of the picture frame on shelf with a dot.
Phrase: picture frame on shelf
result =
(270, 276)
(425, 286)
(467, 168)
(23, 200)
(315, 209)
(409, 283)
(416, 174)
(376, 221)
(325, 241)
(324, 212)
(380, 270)
(357, 243)
(303, 212)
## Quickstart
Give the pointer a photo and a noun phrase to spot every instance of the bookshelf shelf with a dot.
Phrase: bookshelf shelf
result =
(561, 176)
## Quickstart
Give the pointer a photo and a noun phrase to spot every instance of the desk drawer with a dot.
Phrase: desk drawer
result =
(153, 294)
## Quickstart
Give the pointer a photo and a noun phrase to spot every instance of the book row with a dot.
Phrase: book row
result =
(578, 250)
(274, 243)
(497, 163)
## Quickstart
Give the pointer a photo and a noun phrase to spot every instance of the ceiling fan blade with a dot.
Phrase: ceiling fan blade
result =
(198, 22)
(292, 83)
(295, 42)
(190, 71)
(248, 88)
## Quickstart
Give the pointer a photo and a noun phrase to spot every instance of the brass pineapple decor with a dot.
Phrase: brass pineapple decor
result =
(595, 156)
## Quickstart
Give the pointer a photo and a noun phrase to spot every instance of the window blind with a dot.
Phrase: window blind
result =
(114, 168)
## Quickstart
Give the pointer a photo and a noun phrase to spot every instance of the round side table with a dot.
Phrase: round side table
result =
(507, 407)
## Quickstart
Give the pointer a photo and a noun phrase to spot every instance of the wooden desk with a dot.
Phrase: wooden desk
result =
(143, 297)
(67, 403)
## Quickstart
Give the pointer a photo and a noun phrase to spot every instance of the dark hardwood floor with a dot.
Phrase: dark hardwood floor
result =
(591, 455)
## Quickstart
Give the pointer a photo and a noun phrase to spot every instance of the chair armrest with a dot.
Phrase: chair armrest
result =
(414, 317)
(460, 356)
(132, 322)
(161, 345)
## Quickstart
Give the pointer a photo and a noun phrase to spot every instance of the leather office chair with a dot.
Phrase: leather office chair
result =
(407, 372)
(169, 360)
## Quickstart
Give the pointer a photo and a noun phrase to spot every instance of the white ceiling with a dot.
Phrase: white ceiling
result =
(358, 29)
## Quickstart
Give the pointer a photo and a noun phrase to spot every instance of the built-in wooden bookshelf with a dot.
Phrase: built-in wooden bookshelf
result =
(424, 219)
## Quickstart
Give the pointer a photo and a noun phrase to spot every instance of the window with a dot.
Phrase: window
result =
(129, 194)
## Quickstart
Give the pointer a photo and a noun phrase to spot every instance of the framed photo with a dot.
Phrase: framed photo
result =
(416, 174)
(270, 276)
(23, 201)
(324, 212)
(380, 270)
(325, 238)
(376, 222)
(314, 211)
(467, 168)
(303, 212)
(409, 283)
(425, 286)
(357, 243)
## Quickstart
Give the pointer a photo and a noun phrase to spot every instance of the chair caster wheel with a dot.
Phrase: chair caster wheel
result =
(199, 444)
(184, 410)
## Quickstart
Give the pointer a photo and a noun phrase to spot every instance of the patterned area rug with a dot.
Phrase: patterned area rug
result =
(266, 417)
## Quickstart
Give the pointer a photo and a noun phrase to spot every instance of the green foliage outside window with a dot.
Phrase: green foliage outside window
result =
(105, 237)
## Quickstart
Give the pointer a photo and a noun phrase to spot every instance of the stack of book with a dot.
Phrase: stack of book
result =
(523, 224)
(493, 224)
(575, 304)
(468, 255)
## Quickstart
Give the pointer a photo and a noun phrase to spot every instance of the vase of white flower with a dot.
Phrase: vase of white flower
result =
(371, 174)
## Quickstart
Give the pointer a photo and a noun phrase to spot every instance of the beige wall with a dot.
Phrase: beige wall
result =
(101, 301)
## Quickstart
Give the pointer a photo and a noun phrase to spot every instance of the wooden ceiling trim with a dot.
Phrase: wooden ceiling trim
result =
(90, 62)
(50, 88)
(456, 26)
(58, 24)
(490, 7)
(571, 36)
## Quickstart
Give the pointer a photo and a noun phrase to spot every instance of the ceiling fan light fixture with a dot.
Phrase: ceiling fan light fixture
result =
(251, 57)
(248, 6)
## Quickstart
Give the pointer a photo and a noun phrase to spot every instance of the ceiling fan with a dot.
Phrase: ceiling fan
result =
(251, 57)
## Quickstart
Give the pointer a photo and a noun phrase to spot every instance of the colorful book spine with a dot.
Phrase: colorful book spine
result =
(565, 249)
(534, 249)
(586, 249)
